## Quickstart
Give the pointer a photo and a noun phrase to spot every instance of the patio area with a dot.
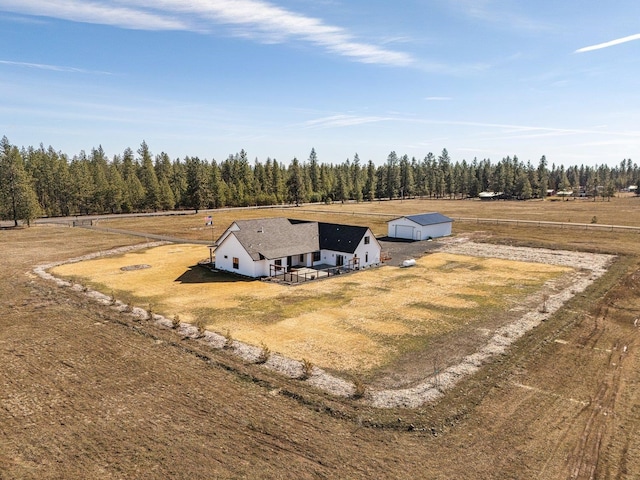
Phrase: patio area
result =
(306, 274)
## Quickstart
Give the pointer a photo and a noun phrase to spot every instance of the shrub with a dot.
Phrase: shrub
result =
(175, 321)
(359, 388)
(201, 325)
(265, 353)
(594, 219)
(545, 299)
(307, 369)
(228, 340)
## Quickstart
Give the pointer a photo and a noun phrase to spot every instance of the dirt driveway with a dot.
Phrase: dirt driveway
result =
(401, 250)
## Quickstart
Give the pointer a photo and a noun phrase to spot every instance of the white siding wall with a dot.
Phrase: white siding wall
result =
(400, 227)
(232, 228)
(230, 248)
(261, 268)
(435, 231)
(405, 228)
(372, 249)
(328, 257)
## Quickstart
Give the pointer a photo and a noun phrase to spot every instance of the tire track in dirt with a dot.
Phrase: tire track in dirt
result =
(584, 460)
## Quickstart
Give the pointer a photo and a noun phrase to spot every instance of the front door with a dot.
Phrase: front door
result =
(289, 263)
(339, 260)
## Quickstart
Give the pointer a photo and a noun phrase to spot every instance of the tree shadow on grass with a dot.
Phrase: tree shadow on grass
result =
(198, 274)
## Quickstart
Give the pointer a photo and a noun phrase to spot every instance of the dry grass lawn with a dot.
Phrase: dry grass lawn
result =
(353, 324)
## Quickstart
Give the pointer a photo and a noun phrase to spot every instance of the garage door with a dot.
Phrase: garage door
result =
(403, 231)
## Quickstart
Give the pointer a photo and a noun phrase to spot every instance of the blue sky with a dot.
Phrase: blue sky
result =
(482, 78)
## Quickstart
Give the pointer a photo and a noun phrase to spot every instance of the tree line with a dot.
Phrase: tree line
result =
(41, 181)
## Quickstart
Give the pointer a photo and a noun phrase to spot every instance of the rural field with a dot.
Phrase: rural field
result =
(91, 391)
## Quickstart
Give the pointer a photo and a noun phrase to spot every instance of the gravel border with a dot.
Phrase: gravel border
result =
(590, 267)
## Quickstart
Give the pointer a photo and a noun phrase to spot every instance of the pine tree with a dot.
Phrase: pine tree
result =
(277, 177)
(369, 192)
(314, 171)
(83, 187)
(148, 178)
(116, 187)
(217, 187)
(18, 200)
(295, 184)
(393, 176)
(381, 181)
(407, 185)
(197, 194)
(543, 177)
(98, 167)
(178, 182)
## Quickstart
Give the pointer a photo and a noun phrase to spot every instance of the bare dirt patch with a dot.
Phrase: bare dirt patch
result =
(130, 268)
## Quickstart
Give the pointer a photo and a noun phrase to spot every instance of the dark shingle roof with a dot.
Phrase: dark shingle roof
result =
(428, 218)
(340, 238)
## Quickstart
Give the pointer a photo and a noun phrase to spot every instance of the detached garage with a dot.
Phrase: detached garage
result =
(420, 227)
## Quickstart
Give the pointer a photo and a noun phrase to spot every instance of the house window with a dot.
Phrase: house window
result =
(236, 262)
(316, 256)
(302, 257)
(278, 262)
(366, 257)
(367, 240)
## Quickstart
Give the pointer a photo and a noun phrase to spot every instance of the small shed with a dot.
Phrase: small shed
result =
(420, 227)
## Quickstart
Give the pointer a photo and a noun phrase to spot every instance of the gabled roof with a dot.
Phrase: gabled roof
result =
(276, 237)
(340, 238)
(428, 218)
(280, 237)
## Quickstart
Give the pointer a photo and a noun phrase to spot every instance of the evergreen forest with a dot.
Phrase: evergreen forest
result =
(41, 181)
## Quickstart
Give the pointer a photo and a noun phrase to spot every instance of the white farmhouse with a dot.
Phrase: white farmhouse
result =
(269, 246)
(420, 227)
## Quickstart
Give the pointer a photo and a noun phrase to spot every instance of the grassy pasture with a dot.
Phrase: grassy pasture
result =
(623, 210)
(355, 323)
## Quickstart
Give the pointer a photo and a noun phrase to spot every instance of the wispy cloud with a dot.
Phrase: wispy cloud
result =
(343, 121)
(55, 68)
(104, 13)
(256, 19)
(264, 21)
(611, 43)
(498, 13)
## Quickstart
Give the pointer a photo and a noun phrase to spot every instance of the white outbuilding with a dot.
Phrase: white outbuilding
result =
(420, 227)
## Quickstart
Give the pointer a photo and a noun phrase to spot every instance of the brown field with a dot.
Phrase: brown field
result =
(87, 392)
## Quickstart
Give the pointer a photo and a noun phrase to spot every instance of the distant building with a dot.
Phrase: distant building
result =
(490, 195)
(270, 246)
(420, 227)
(564, 193)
